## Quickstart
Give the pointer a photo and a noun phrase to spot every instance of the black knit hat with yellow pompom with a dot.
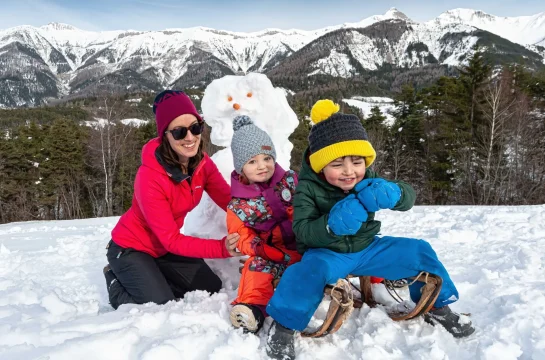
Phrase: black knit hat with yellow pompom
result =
(336, 135)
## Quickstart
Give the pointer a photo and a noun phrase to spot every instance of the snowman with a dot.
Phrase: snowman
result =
(224, 99)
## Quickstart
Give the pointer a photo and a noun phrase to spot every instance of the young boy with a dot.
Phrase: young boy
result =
(261, 213)
(335, 229)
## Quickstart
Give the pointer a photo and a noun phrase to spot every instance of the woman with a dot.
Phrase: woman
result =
(149, 259)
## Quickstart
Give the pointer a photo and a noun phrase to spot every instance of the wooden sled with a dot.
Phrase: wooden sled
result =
(343, 302)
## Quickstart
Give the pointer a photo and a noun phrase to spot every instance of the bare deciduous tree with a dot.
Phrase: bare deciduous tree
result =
(497, 110)
(106, 142)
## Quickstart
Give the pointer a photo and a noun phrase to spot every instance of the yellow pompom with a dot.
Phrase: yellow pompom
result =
(322, 110)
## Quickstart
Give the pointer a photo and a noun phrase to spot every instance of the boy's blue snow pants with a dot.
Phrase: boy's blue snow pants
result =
(301, 288)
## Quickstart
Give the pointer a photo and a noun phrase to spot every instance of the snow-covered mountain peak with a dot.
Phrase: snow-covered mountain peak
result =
(394, 13)
(465, 15)
(391, 14)
(525, 30)
(55, 26)
(21, 29)
(275, 31)
(206, 33)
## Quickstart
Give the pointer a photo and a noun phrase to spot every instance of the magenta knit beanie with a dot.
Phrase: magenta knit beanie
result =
(168, 105)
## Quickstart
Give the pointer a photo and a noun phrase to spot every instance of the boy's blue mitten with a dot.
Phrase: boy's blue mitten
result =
(346, 216)
(376, 194)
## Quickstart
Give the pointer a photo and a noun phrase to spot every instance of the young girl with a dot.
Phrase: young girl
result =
(261, 213)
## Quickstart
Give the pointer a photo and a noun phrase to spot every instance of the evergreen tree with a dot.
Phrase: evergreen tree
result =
(299, 138)
(405, 148)
(6, 182)
(446, 131)
(64, 170)
(375, 120)
(375, 125)
(474, 77)
(22, 173)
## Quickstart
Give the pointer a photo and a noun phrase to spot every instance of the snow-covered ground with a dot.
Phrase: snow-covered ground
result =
(134, 122)
(53, 302)
(365, 104)
(98, 123)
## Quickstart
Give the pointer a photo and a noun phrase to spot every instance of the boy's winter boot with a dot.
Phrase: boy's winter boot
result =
(280, 342)
(450, 321)
(247, 316)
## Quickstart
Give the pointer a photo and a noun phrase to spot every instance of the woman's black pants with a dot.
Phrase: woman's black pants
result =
(139, 278)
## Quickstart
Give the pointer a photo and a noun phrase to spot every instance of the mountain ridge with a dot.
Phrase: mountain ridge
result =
(78, 60)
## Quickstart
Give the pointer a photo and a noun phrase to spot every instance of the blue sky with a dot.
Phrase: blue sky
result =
(234, 15)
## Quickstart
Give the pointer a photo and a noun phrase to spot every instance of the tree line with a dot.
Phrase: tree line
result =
(473, 139)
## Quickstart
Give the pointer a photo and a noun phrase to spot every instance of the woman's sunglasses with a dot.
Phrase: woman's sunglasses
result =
(180, 133)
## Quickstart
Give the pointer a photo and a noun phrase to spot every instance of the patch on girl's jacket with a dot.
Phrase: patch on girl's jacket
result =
(251, 211)
(259, 264)
(286, 195)
(286, 187)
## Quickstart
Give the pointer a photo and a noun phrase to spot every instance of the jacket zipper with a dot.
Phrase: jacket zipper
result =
(348, 243)
(190, 183)
(346, 237)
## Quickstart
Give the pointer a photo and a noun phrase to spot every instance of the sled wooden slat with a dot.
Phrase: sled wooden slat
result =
(343, 302)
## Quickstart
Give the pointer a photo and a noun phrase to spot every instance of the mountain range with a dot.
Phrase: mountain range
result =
(39, 64)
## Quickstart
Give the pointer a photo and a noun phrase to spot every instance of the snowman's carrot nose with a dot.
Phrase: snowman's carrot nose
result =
(236, 106)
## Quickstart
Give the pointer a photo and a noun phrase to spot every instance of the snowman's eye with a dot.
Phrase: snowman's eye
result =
(229, 98)
(249, 94)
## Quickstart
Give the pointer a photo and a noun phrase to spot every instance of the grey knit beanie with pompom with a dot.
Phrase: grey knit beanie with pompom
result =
(249, 141)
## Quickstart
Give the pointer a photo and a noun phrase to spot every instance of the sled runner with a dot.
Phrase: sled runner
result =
(343, 301)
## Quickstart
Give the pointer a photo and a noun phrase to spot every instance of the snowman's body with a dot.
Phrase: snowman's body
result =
(223, 100)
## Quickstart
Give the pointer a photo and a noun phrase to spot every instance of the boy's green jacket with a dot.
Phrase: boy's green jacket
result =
(314, 198)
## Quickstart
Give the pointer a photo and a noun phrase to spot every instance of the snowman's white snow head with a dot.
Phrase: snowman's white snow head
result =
(252, 95)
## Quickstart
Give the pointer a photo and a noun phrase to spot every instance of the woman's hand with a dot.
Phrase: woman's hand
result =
(231, 242)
